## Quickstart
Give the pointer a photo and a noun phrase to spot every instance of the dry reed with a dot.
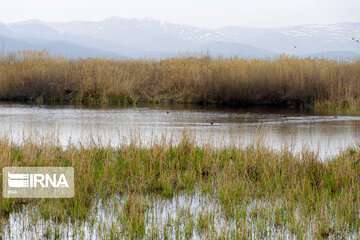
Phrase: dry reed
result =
(29, 75)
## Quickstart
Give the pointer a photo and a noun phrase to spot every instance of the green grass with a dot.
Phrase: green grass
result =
(292, 192)
(340, 107)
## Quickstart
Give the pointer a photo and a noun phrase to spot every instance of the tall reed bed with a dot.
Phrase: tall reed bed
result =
(303, 192)
(29, 75)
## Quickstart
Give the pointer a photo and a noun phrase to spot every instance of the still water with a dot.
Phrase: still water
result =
(323, 133)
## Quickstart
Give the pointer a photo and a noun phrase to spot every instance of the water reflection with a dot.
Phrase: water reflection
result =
(322, 132)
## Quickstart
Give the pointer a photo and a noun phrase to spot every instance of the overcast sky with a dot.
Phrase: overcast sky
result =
(204, 13)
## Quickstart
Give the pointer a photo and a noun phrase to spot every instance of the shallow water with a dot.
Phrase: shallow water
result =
(177, 218)
(324, 133)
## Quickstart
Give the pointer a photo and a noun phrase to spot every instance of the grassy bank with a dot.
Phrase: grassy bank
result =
(299, 196)
(291, 81)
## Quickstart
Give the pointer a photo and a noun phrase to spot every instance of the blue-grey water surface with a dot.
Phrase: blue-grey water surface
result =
(324, 133)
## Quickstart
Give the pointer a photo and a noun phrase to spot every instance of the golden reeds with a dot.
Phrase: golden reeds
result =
(285, 80)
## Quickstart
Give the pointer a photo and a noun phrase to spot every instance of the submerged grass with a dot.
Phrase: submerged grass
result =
(291, 192)
(285, 80)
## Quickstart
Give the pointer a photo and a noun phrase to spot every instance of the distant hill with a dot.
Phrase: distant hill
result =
(13, 45)
(225, 49)
(55, 47)
(334, 54)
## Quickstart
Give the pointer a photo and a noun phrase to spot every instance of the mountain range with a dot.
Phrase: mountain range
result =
(149, 38)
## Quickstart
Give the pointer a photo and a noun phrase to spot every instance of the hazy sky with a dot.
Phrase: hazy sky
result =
(205, 13)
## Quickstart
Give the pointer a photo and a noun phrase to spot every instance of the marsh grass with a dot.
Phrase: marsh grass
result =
(291, 192)
(290, 81)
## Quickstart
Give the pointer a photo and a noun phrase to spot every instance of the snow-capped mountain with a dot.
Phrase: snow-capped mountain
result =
(147, 34)
(152, 38)
(300, 40)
